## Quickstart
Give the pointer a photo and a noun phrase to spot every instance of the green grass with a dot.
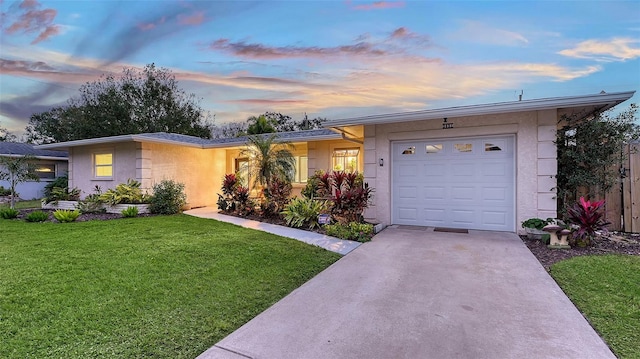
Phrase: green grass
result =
(606, 289)
(35, 203)
(161, 287)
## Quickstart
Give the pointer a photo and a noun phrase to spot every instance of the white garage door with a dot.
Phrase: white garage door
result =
(456, 183)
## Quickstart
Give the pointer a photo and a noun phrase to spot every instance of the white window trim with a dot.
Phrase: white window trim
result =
(357, 156)
(94, 166)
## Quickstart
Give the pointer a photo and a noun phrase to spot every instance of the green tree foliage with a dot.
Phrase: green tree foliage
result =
(269, 159)
(6, 136)
(138, 101)
(260, 124)
(590, 153)
(17, 170)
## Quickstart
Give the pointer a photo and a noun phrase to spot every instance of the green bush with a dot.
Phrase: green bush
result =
(37, 216)
(5, 191)
(303, 212)
(168, 197)
(129, 192)
(354, 231)
(130, 212)
(64, 215)
(9, 213)
(59, 182)
(92, 203)
(56, 194)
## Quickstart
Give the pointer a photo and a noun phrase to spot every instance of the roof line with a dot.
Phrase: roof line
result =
(609, 99)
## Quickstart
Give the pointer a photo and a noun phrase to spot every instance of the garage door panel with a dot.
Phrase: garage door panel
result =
(432, 193)
(470, 185)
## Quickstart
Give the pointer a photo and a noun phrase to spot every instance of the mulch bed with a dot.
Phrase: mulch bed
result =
(612, 243)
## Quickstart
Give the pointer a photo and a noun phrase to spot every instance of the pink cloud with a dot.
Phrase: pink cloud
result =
(151, 25)
(259, 51)
(33, 20)
(195, 19)
(378, 5)
(403, 34)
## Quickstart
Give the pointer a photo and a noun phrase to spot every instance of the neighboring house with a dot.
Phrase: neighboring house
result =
(49, 165)
(485, 167)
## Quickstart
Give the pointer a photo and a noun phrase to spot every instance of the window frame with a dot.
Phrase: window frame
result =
(95, 165)
(356, 157)
(297, 175)
(54, 172)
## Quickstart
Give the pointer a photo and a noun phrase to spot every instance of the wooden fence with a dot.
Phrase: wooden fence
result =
(623, 201)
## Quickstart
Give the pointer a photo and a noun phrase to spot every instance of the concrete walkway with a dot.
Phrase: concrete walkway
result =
(415, 293)
(333, 244)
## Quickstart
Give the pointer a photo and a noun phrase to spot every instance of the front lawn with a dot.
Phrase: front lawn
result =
(162, 287)
(606, 289)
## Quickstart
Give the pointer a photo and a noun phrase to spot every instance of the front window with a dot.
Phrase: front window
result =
(345, 159)
(301, 169)
(242, 170)
(46, 171)
(103, 163)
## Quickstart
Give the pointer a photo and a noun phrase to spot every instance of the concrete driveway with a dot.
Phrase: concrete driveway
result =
(415, 293)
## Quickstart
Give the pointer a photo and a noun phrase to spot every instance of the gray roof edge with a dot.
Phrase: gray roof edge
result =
(86, 142)
(243, 140)
(484, 109)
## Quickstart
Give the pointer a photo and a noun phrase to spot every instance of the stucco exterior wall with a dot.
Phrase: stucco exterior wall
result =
(535, 156)
(199, 169)
(320, 154)
(81, 166)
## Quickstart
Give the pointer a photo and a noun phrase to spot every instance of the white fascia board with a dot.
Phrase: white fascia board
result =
(610, 99)
(335, 136)
(48, 158)
(114, 139)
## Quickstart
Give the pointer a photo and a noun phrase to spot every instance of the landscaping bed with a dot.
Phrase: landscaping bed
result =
(613, 243)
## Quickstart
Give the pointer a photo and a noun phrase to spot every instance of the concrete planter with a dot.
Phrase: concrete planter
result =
(118, 208)
(60, 205)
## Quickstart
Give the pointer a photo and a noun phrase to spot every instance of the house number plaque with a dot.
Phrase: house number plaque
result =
(446, 125)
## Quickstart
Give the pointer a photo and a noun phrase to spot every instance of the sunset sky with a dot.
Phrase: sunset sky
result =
(332, 59)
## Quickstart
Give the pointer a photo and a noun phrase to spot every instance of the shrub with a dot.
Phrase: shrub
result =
(130, 212)
(168, 197)
(361, 232)
(537, 223)
(351, 198)
(9, 213)
(37, 216)
(244, 205)
(64, 215)
(303, 212)
(92, 203)
(56, 194)
(129, 192)
(5, 191)
(277, 195)
(226, 201)
(59, 182)
(587, 216)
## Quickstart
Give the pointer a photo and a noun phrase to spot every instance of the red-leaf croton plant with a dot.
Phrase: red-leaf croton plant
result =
(588, 217)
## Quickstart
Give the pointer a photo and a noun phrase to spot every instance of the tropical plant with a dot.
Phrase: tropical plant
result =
(129, 192)
(269, 159)
(303, 212)
(226, 201)
(9, 213)
(351, 195)
(244, 204)
(353, 231)
(537, 223)
(130, 212)
(37, 216)
(62, 194)
(590, 153)
(66, 215)
(92, 203)
(276, 196)
(59, 182)
(586, 215)
(259, 125)
(17, 170)
(168, 197)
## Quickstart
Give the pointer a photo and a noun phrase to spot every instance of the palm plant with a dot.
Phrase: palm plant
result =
(269, 159)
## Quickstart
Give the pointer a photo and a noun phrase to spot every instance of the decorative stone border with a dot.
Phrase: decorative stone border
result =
(118, 208)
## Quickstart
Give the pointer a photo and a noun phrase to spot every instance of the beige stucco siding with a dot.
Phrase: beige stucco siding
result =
(199, 169)
(81, 166)
(320, 154)
(535, 156)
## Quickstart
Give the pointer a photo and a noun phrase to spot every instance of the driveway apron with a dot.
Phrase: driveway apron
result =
(416, 293)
